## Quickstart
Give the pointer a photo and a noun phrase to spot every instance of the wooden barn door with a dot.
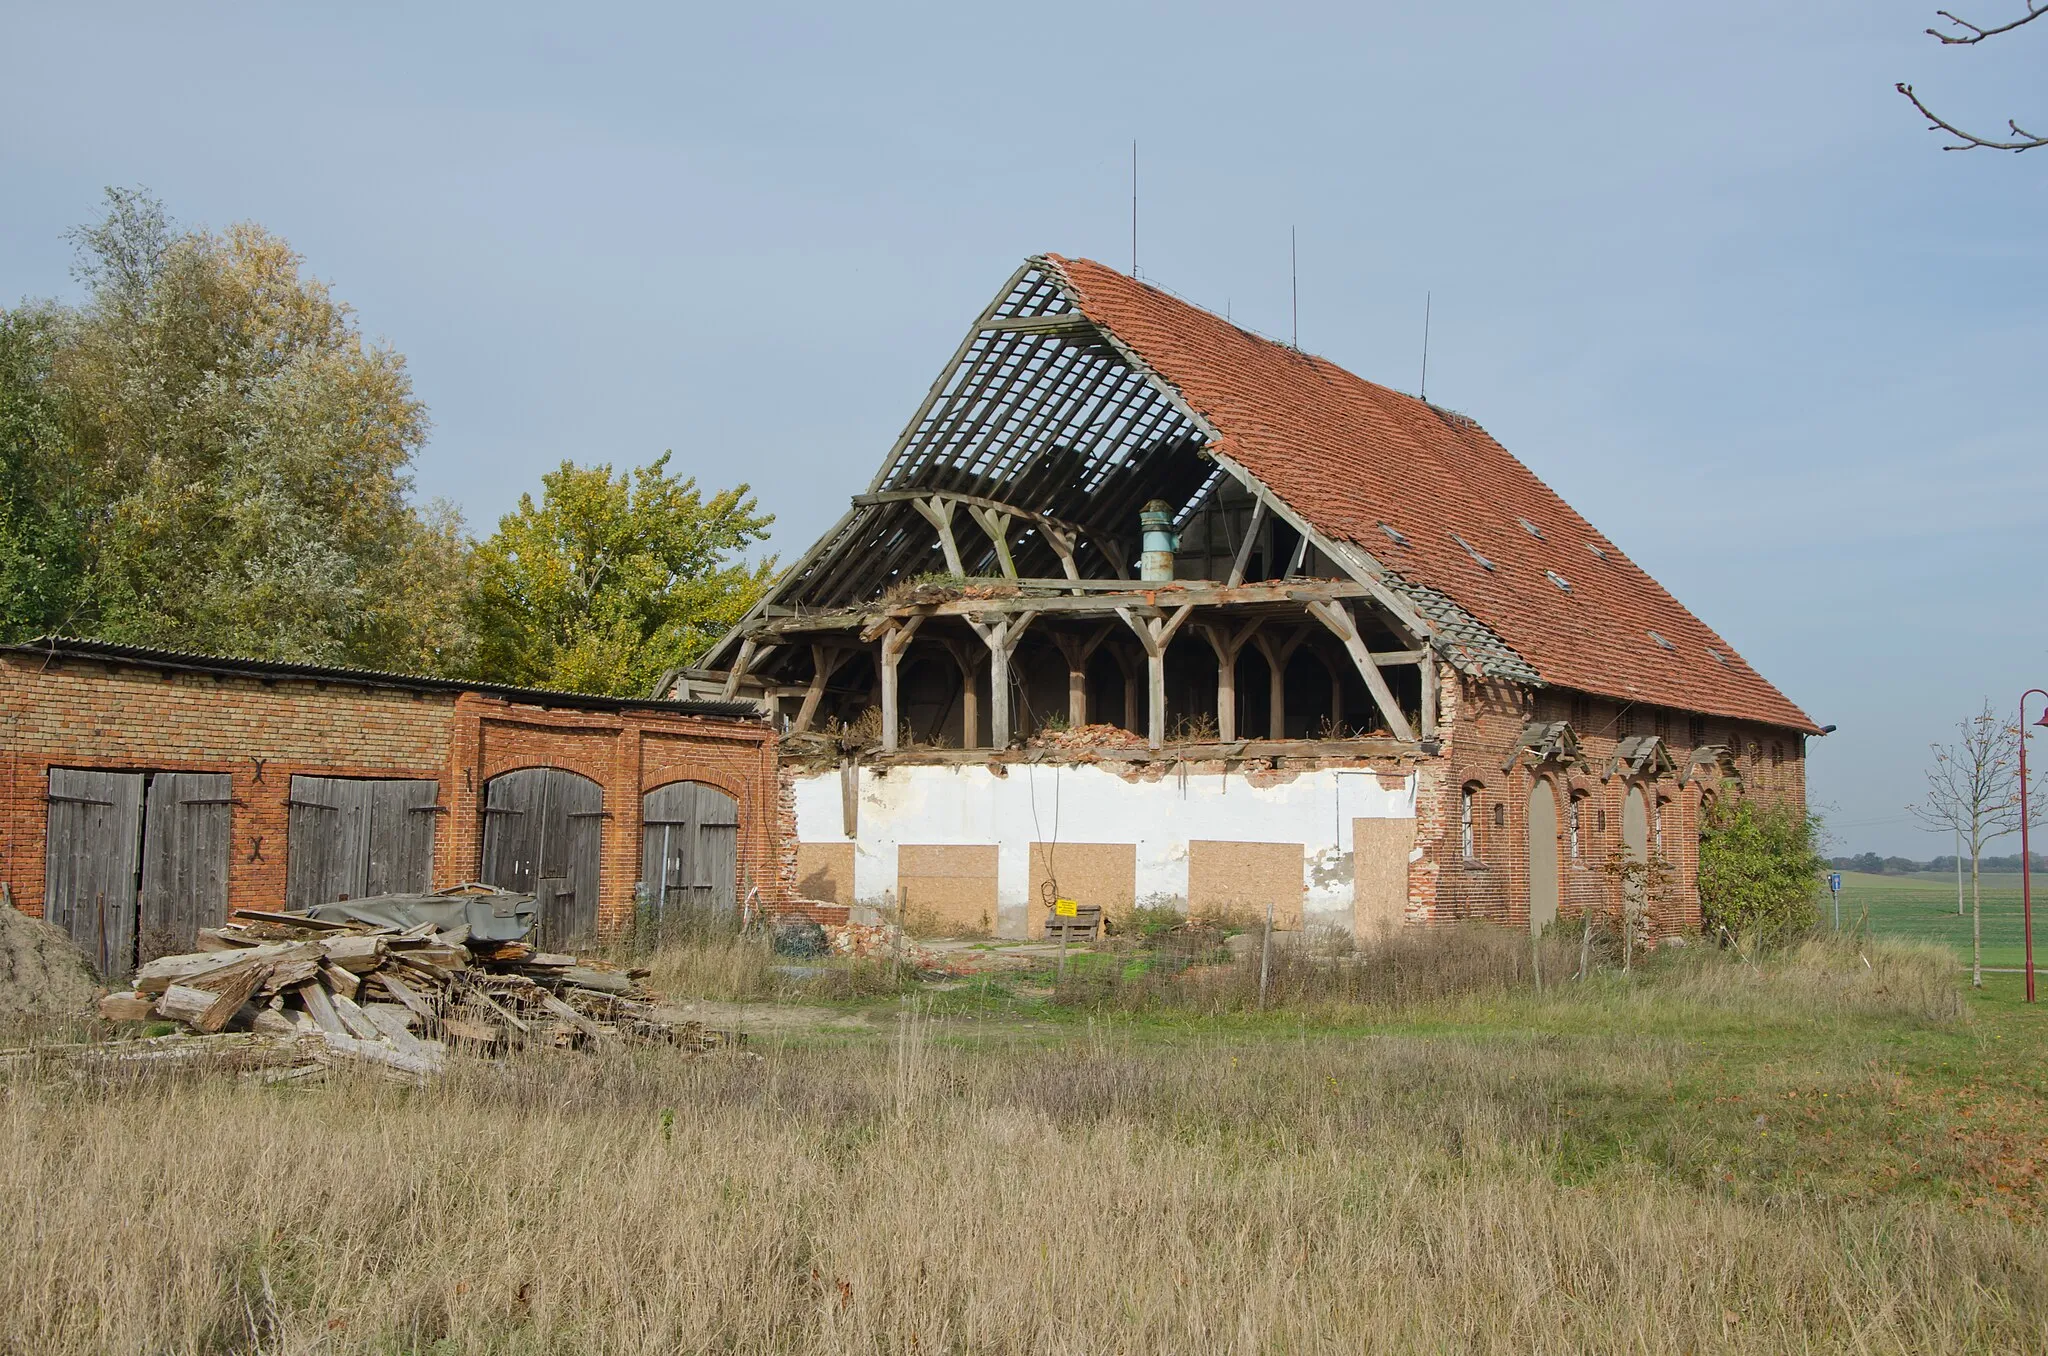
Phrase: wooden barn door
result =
(352, 837)
(542, 829)
(1542, 855)
(186, 824)
(690, 857)
(90, 860)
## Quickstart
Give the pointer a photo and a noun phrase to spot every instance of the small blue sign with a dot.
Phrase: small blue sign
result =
(1834, 882)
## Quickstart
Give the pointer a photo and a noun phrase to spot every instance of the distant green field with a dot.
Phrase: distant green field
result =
(1924, 906)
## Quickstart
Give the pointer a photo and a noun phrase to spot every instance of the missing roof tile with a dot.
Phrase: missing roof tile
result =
(1394, 535)
(1472, 551)
(1554, 577)
(1531, 528)
(1661, 641)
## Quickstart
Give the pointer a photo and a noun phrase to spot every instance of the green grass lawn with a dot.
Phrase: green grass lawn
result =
(1923, 906)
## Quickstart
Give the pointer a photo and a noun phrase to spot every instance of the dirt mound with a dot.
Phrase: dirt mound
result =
(41, 973)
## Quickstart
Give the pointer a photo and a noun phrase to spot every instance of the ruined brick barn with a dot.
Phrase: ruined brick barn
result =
(146, 793)
(1143, 609)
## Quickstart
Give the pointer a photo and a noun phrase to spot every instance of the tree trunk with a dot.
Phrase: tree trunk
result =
(1976, 922)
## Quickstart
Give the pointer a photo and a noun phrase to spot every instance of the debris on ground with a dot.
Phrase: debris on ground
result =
(802, 938)
(42, 975)
(883, 942)
(396, 997)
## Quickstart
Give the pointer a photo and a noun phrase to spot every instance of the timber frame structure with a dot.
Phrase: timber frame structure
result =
(1009, 506)
(1389, 675)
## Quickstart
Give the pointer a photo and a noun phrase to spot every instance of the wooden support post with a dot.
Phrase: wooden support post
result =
(894, 641)
(1244, 548)
(938, 511)
(751, 653)
(1343, 626)
(997, 524)
(1155, 634)
(968, 655)
(1430, 694)
(1001, 636)
(1062, 544)
(825, 661)
(1336, 697)
(1278, 650)
(1076, 650)
(1227, 643)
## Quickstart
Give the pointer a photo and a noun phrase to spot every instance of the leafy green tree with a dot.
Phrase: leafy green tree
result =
(43, 510)
(238, 459)
(610, 580)
(1758, 870)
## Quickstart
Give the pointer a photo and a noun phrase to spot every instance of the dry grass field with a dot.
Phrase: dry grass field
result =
(1828, 1152)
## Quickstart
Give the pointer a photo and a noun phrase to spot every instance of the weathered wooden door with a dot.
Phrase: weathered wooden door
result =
(690, 859)
(90, 860)
(186, 823)
(1542, 855)
(351, 837)
(542, 830)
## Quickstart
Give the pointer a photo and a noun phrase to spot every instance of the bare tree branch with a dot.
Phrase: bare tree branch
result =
(1974, 34)
(1971, 34)
(1970, 141)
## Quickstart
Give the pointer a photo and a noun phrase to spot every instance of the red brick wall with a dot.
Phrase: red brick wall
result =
(1483, 722)
(262, 731)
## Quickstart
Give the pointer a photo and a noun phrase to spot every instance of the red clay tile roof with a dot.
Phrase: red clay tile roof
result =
(1349, 455)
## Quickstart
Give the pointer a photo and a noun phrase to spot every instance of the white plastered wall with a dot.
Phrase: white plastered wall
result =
(1086, 803)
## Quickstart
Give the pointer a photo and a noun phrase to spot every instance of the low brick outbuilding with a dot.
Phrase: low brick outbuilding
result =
(146, 792)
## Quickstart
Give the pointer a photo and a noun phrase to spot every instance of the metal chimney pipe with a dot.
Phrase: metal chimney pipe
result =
(1155, 564)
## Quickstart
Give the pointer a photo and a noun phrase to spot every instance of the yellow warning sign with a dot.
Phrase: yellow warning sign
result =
(1066, 908)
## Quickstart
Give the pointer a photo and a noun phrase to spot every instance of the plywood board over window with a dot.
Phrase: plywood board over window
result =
(947, 889)
(1090, 873)
(1238, 880)
(1379, 875)
(824, 872)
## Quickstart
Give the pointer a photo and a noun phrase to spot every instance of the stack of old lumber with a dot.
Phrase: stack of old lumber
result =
(397, 997)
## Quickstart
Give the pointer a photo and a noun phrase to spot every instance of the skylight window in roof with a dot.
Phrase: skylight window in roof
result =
(1531, 528)
(1661, 641)
(1472, 551)
(1719, 658)
(1394, 535)
(1554, 577)
(1596, 550)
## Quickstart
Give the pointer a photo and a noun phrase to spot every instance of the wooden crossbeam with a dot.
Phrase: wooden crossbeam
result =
(938, 511)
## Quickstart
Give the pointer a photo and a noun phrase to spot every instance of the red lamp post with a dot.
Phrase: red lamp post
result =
(2026, 852)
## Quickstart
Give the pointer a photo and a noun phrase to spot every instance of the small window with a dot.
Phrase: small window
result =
(1695, 731)
(1661, 642)
(1777, 754)
(1472, 551)
(1500, 815)
(1571, 824)
(1596, 550)
(1664, 726)
(1600, 821)
(1582, 711)
(1394, 535)
(1531, 528)
(1554, 577)
(1719, 658)
(1657, 825)
(1466, 842)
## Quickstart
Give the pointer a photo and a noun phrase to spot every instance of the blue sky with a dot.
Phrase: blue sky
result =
(1698, 266)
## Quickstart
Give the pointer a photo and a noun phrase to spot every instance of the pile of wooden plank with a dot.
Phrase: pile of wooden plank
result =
(402, 998)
